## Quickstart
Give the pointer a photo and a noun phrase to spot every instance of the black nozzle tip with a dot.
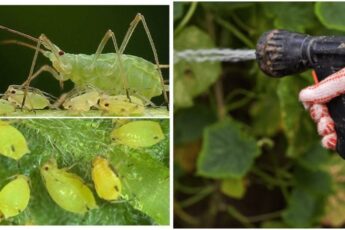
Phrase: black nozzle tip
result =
(278, 53)
(269, 53)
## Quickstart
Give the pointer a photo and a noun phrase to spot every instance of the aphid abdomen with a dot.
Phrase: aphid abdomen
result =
(137, 134)
(12, 142)
(67, 189)
(142, 76)
(15, 196)
(107, 183)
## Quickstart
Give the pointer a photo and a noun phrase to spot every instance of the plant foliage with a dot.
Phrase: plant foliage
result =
(247, 154)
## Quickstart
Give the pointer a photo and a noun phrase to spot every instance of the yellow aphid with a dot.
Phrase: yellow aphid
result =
(67, 189)
(6, 107)
(82, 103)
(14, 197)
(34, 98)
(119, 105)
(138, 134)
(12, 142)
(107, 182)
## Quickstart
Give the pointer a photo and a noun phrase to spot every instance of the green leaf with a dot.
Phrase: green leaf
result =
(191, 78)
(75, 143)
(295, 17)
(225, 9)
(335, 206)
(226, 151)
(318, 183)
(299, 129)
(315, 157)
(147, 182)
(303, 209)
(178, 9)
(190, 123)
(266, 125)
(331, 14)
(234, 188)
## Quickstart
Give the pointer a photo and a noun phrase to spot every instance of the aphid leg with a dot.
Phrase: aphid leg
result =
(140, 18)
(26, 86)
(110, 34)
(45, 68)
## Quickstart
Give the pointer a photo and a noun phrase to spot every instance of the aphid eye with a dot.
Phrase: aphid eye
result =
(98, 101)
(13, 148)
(13, 91)
(106, 104)
(155, 137)
(46, 168)
(61, 53)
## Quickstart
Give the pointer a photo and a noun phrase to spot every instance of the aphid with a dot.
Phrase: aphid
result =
(6, 107)
(14, 197)
(67, 189)
(12, 142)
(114, 73)
(121, 106)
(107, 182)
(138, 134)
(82, 103)
(35, 99)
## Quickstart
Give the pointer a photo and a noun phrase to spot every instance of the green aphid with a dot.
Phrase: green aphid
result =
(137, 134)
(81, 103)
(14, 197)
(12, 142)
(35, 99)
(6, 107)
(121, 106)
(67, 189)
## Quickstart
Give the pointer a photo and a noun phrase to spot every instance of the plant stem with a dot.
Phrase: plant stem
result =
(184, 215)
(236, 32)
(266, 216)
(218, 91)
(187, 189)
(197, 197)
(241, 24)
(268, 178)
(232, 211)
(186, 18)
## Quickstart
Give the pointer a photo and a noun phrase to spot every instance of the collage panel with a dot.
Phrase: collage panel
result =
(84, 172)
(84, 115)
(259, 114)
(94, 61)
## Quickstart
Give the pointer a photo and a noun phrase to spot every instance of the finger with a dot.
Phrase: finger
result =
(317, 111)
(325, 90)
(329, 141)
(325, 126)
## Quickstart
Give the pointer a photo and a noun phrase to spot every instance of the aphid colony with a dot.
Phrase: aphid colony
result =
(126, 81)
(68, 190)
(76, 102)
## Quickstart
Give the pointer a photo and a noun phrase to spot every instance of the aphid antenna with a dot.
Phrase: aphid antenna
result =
(20, 43)
(19, 33)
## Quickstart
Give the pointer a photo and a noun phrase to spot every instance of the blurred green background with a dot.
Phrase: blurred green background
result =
(246, 152)
(76, 29)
